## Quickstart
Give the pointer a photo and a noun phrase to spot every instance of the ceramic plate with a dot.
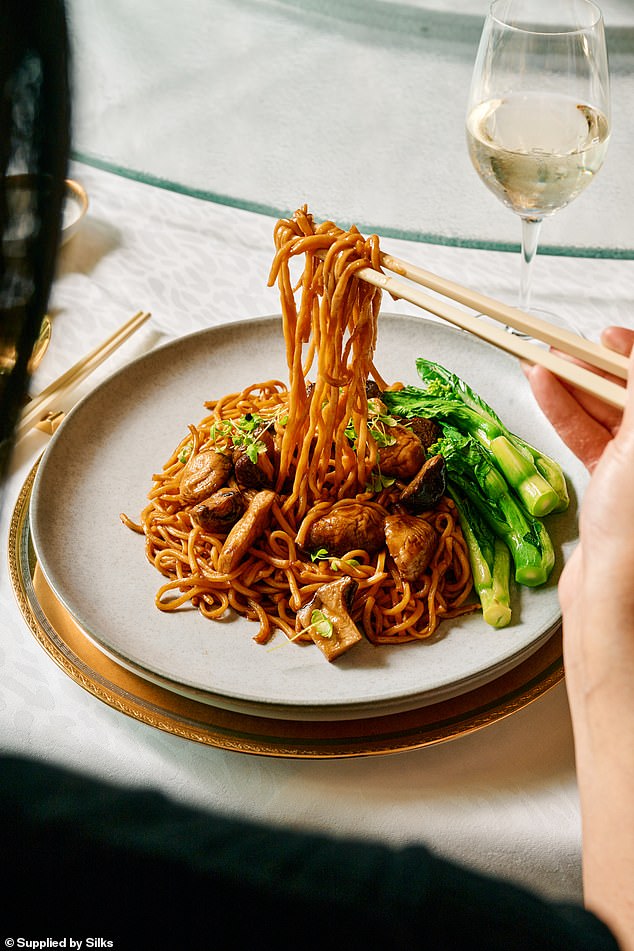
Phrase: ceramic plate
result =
(100, 464)
(136, 697)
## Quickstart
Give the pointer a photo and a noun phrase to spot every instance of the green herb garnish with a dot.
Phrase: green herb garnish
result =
(185, 452)
(321, 623)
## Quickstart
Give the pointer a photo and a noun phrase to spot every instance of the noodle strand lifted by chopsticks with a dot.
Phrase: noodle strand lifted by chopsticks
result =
(336, 321)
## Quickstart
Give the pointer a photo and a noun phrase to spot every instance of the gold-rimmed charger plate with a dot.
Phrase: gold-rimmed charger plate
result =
(65, 642)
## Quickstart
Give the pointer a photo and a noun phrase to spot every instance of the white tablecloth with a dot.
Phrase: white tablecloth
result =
(503, 799)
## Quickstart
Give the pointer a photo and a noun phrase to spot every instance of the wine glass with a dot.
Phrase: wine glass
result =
(538, 118)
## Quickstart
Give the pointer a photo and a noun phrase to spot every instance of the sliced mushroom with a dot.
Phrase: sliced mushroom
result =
(261, 473)
(404, 457)
(203, 474)
(427, 430)
(372, 390)
(427, 487)
(327, 618)
(412, 543)
(346, 528)
(220, 511)
(245, 532)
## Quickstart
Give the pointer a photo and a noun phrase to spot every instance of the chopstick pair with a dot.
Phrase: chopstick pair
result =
(41, 405)
(566, 341)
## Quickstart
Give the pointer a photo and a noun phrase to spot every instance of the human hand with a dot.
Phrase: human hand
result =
(602, 437)
(585, 423)
(596, 593)
(605, 557)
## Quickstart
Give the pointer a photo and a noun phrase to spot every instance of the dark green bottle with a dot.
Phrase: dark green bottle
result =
(34, 149)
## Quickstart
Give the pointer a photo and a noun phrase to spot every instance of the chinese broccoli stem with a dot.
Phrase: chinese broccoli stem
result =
(471, 471)
(490, 563)
(549, 468)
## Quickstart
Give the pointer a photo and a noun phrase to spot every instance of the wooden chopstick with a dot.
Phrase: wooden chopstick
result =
(558, 337)
(40, 405)
(581, 377)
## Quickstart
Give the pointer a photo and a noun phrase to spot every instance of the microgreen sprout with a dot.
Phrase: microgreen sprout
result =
(377, 482)
(379, 422)
(185, 452)
(337, 564)
(322, 625)
(243, 435)
(318, 622)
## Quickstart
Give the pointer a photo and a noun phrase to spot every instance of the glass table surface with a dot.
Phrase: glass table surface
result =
(354, 107)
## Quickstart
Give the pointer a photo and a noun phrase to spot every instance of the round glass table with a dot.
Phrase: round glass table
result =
(354, 107)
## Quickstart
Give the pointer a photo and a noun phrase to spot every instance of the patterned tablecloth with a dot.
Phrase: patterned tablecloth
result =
(503, 799)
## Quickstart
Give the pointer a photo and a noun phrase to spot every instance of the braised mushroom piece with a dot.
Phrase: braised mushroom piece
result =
(258, 474)
(346, 528)
(427, 430)
(427, 487)
(220, 511)
(326, 618)
(372, 390)
(246, 532)
(405, 454)
(203, 474)
(412, 542)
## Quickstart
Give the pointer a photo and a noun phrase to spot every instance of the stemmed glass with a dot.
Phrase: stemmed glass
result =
(538, 119)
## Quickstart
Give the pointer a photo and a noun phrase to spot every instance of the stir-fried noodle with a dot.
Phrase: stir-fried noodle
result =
(312, 450)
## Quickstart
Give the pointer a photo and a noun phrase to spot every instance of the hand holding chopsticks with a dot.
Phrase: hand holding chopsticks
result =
(565, 341)
(39, 406)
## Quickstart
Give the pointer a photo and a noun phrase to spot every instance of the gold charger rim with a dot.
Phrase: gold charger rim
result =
(65, 642)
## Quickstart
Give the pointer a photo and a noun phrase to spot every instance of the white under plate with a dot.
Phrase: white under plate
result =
(100, 464)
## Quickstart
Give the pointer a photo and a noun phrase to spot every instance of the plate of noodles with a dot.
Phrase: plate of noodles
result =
(223, 606)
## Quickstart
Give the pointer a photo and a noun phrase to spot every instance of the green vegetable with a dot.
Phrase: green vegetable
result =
(337, 564)
(243, 436)
(318, 620)
(377, 482)
(470, 469)
(538, 480)
(321, 623)
(490, 563)
(185, 452)
(549, 468)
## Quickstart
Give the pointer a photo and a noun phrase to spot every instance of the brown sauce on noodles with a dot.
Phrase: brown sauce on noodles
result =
(330, 325)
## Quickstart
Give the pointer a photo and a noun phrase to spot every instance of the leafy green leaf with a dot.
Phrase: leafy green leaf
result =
(434, 373)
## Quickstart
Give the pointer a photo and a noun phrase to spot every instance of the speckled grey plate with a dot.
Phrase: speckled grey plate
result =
(100, 463)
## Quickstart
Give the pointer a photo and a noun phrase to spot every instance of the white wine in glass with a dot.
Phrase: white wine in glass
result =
(538, 119)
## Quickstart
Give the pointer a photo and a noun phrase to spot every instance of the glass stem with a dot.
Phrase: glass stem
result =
(530, 238)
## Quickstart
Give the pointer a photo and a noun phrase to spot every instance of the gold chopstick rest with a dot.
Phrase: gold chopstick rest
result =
(37, 409)
(50, 423)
